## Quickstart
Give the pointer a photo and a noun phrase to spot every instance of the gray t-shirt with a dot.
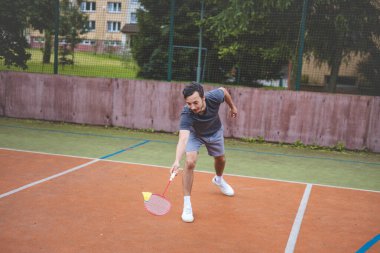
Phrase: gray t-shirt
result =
(208, 123)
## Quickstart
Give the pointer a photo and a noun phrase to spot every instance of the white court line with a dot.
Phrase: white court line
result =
(296, 225)
(47, 178)
(45, 153)
(290, 246)
(305, 183)
(201, 171)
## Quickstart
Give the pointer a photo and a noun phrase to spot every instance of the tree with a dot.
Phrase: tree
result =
(41, 17)
(257, 37)
(336, 29)
(369, 68)
(72, 24)
(12, 39)
(150, 48)
(254, 36)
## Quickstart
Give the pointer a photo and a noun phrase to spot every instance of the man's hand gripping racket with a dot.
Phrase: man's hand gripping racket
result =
(158, 204)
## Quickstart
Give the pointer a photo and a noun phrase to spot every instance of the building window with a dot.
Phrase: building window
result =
(39, 40)
(113, 26)
(133, 18)
(88, 42)
(91, 26)
(134, 1)
(88, 6)
(112, 43)
(113, 7)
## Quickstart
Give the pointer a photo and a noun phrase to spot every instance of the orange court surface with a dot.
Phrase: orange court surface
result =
(54, 203)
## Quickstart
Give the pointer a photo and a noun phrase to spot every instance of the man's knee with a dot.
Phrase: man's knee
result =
(220, 159)
(191, 162)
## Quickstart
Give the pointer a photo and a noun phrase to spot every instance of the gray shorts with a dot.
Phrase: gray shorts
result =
(213, 143)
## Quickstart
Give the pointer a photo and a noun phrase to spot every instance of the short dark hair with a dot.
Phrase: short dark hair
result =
(191, 88)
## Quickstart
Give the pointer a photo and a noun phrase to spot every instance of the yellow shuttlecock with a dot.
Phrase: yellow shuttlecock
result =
(146, 195)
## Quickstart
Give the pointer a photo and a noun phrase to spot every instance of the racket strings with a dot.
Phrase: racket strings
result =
(157, 205)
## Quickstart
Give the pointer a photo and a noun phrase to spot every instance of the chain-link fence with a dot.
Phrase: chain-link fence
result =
(318, 45)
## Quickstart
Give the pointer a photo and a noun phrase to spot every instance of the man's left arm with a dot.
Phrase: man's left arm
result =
(230, 103)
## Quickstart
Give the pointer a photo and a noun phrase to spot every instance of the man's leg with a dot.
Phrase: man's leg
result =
(215, 148)
(188, 173)
(187, 184)
(219, 164)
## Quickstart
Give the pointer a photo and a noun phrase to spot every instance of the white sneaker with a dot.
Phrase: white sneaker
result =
(225, 188)
(187, 214)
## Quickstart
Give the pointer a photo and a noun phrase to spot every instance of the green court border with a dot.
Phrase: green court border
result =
(359, 170)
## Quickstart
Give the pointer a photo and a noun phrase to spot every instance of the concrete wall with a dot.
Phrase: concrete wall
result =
(277, 116)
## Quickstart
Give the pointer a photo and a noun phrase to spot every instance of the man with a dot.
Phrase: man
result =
(200, 124)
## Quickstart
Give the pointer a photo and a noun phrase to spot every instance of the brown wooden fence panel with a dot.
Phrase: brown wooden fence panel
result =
(313, 118)
(57, 98)
(277, 116)
(146, 105)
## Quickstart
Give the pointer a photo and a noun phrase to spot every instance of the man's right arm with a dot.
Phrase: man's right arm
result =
(182, 141)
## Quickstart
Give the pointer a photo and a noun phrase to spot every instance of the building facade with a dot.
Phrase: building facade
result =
(106, 20)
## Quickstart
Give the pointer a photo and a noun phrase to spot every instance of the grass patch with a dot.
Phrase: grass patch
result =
(86, 64)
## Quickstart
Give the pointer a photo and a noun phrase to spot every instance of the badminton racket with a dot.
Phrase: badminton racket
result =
(158, 204)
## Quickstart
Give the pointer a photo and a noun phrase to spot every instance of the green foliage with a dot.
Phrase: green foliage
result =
(257, 37)
(47, 47)
(298, 144)
(41, 15)
(147, 130)
(339, 147)
(369, 68)
(304, 79)
(150, 48)
(258, 139)
(250, 140)
(17, 15)
(149, 43)
(344, 28)
(13, 18)
(64, 51)
(72, 24)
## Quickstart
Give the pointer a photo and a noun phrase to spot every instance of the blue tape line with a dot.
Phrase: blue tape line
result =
(369, 244)
(125, 149)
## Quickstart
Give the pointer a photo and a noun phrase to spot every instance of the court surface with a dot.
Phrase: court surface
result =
(60, 203)
(77, 188)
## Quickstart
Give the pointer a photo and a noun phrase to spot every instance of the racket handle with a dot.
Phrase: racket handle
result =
(170, 180)
(172, 176)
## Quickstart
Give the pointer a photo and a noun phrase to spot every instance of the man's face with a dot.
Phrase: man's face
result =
(195, 102)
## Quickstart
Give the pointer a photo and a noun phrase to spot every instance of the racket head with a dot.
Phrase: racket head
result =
(157, 205)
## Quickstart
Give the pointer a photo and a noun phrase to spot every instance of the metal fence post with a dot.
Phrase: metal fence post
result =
(56, 31)
(200, 45)
(171, 35)
(302, 41)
